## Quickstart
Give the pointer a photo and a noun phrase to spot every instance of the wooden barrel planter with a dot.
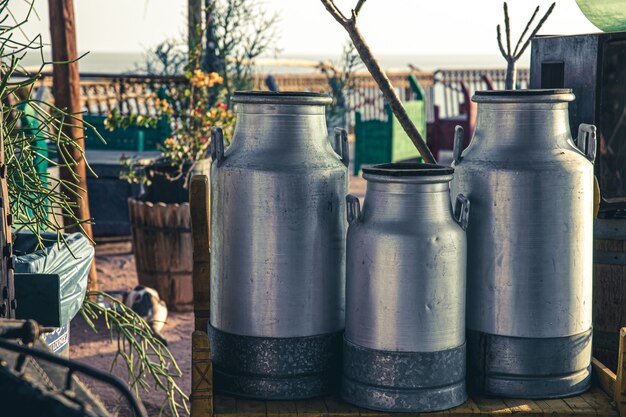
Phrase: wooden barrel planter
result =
(163, 250)
(609, 288)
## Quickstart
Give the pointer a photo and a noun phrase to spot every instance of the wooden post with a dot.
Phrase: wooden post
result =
(200, 226)
(210, 60)
(66, 92)
(201, 397)
(7, 287)
(194, 14)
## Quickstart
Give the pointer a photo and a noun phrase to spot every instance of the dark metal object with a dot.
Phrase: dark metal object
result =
(593, 66)
(521, 367)
(33, 399)
(275, 368)
(403, 381)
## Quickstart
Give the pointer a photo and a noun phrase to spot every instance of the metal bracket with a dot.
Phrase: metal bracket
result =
(586, 140)
(353, 206)
(217, 144)
(341, 142)
(461, 211)
(458, 143)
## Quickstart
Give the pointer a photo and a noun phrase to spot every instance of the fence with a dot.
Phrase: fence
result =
(445, 88)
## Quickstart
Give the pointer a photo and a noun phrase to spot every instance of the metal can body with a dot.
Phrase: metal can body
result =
(530, 241)
(404, 347)
(277, 249)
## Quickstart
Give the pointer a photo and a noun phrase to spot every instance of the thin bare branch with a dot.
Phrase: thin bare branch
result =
(532, 35)
(507, 28)
(513, 57)
(335, 12)
(530, 22)
(380, 77)
(357, 9)
(502, 51)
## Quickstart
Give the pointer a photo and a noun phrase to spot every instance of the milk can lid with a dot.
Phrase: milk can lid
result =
(531, 95)
(408, 169)
(290, 97)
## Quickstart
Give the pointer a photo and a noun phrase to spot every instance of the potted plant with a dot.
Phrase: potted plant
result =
(160, 220)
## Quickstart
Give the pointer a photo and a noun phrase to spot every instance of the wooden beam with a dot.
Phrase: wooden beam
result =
(604, 377)
(66, 92)
(620, 381)
(199, 207)
(201, 396)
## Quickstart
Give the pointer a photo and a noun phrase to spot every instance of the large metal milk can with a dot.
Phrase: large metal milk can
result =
(404, 346)
(278, 232)
(530, 245)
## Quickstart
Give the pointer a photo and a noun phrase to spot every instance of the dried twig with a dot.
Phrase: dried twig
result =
(513, 56)
(350, 25)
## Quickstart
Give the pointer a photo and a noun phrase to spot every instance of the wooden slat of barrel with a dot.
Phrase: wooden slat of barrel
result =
(163, 250)
(609, 289)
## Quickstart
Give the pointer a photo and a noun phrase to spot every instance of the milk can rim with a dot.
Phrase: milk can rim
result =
(408, 169)
(288, 97)
(530, 95)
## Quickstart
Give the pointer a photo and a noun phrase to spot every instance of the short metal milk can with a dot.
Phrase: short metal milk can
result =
(530, 245)
(278, 232)
(404, 346)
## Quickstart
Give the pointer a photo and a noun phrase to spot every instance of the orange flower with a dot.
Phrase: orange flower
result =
(201, 79)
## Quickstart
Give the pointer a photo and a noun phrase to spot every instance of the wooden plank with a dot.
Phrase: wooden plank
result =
(556, 407)
(281, 408)
(338, 408)
(364, 412)
(601, 402)
(199, 207)
(620, 381)
(224, 405)
(442, 413)
(525, 407)
(489, 406)
(604, 377)
(312, 408)
(580, 407)
(251, 408)
(468, 408)
(201, 397)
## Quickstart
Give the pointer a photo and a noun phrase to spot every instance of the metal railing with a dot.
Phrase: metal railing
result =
(138, 93)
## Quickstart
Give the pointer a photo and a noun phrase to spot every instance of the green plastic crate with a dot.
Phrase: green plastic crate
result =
(384, 141)
(132, 139)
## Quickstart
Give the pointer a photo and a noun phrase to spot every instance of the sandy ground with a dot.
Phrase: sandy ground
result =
(116, 271)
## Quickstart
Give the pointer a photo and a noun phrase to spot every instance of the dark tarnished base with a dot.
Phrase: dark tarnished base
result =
(269, 368)
(532, 368)
(403, 381)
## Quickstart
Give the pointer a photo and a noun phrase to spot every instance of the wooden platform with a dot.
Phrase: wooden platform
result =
(593, 403)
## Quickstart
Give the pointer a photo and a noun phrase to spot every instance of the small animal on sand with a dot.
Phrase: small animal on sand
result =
(145, 301)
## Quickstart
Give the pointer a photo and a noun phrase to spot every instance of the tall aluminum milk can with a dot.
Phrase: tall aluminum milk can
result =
(530, 245)
(404, 346)
(278, 232)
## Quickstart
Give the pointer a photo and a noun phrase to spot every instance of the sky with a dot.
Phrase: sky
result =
(391, 27)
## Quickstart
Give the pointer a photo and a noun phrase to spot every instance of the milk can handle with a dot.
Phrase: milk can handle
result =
(217, 144)
(341, 141)
(353, 206)
(461, 211)
(586, 140)
(458, 143)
